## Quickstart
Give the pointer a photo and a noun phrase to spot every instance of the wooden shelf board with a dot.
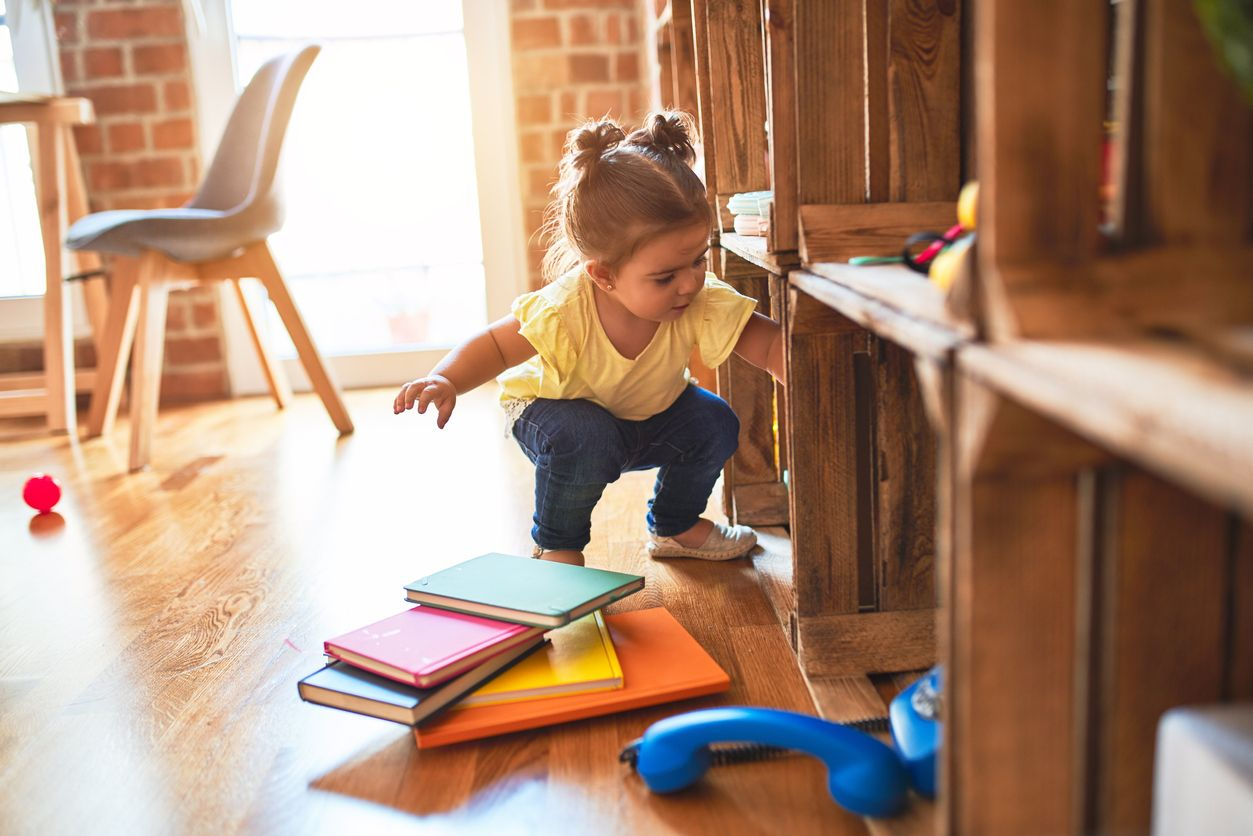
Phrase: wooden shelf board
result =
(1165, 405)
(891, 301)
(752, 248)
(837, 698)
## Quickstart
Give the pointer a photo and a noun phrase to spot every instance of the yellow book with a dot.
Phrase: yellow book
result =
(579, 658)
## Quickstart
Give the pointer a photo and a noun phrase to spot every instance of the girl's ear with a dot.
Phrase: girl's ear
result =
(600, 274)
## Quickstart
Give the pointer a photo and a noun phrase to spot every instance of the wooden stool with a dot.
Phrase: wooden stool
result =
(59, 187)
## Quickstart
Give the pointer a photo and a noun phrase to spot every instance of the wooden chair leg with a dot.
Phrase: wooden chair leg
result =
(149, 352)
(315, 366)
(274, 374)
(113, 344)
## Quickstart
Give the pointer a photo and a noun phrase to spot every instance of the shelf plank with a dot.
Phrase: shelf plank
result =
(752, 248)
(1164, 405)
(890, 301)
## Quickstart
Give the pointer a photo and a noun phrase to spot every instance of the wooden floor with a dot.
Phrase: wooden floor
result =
(154, 630)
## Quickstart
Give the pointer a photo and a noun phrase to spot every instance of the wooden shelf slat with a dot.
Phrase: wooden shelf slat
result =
(1164, 405)
(890, 301)
(752, 248)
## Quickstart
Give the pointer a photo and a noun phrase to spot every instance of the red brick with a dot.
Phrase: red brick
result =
(633, 29)
(539, 71)
(126, 98)
(126, 136)
(204, 314)
(176, 95)
(129, 24)
(602, 102)
(88, 139)
(532, 147)
(581, 30)
(130, 201)
(627, 67)
(173, 134)
(589, 68)
(589, 4)
(69, 66)
(522, 5)
(159, 171)
(106, 176)
(535, 109)
(103, 62)
(536, 33)
(185, 351)
(638, 105)
(569, 106)
(147, 173)
(68, 29)
(176, 315)
(613, 29)
(181, 386)
(539, 181)
(159, 59)
(557, 148)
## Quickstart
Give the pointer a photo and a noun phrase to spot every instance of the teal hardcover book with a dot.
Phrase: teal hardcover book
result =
(536, 592)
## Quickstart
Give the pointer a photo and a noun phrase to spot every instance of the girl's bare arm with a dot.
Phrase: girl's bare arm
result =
(467, 366)
(761, 343)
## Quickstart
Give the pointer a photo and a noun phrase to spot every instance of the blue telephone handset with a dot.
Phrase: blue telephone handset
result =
(863, 774)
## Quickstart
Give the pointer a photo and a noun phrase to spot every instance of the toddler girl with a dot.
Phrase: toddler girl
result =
(593, 366)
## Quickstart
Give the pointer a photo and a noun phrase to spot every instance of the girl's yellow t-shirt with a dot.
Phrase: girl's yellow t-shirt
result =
(577, 360)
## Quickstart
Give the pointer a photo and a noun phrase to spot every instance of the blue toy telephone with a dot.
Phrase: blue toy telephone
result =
(863, 774)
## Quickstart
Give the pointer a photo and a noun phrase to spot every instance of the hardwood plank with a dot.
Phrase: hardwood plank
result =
(1010, 685)
(704, 89)
(761, 503)
(1041, 102)
(780, 64)
(206, 583)
(1197, 149)
(1239, 684)
(838, 232)
(1163, 618)
(1159, 404)
(683, 56)
(754, 249)
(905, 485)
(822, 448)
(830, 103)
(923, 95)
(856, 643)
(891, 302)
(738, 96)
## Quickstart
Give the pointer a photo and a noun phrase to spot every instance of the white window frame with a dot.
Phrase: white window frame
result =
(211, 51)
(35, 55)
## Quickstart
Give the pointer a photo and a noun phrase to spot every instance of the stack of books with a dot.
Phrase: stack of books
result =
(751, 211)
(501, 643)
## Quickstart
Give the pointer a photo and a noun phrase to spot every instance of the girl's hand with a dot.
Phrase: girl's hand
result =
(432, 389)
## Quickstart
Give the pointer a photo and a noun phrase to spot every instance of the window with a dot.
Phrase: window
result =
(28, 65)
(401, 236)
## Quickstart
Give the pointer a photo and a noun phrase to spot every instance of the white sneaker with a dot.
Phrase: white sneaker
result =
(723, 543)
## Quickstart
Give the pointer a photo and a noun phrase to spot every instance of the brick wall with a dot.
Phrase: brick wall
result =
(572, 60)
(130, 58)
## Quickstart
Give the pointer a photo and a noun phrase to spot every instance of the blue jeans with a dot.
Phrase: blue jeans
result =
(578, 448)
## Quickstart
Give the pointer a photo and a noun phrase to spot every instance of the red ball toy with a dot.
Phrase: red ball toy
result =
(41, 492)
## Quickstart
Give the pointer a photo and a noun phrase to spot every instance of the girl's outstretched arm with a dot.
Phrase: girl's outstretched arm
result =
(469, 365)
(761, 343)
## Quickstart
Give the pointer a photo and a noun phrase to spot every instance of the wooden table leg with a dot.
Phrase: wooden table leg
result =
(58, 330)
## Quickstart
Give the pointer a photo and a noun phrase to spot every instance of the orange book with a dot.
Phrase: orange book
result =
(661, 662)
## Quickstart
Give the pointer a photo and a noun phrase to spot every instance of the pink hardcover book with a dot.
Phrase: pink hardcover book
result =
(425, 646)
